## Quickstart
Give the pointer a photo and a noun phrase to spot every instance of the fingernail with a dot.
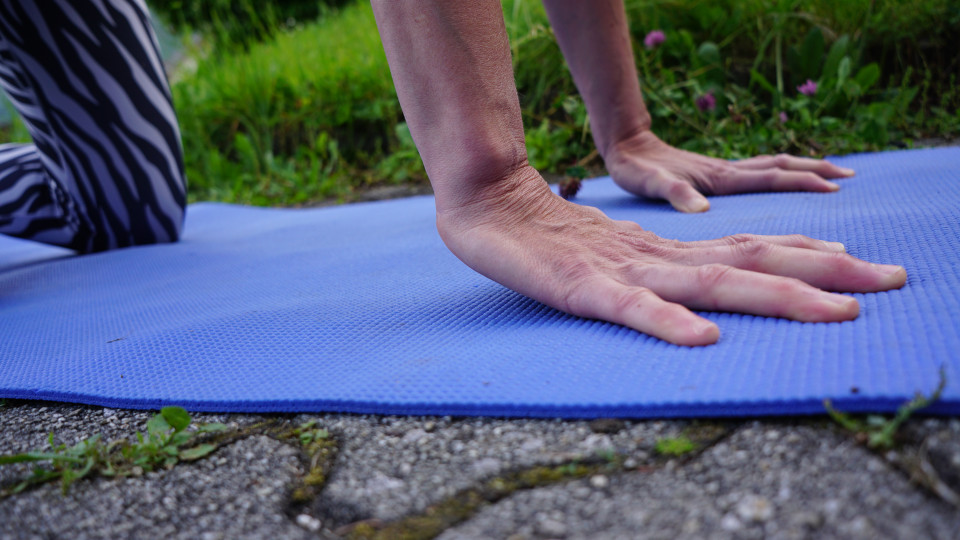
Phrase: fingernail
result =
(833, 187)
(836, 246)
(847, 172)
(701, 205)
(888, 269)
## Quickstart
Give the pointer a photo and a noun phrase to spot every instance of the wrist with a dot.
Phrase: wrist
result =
(608, 140)
(511, 197)
(638, 142)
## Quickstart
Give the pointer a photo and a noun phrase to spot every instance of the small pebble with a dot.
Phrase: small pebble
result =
(551, 528)
(730, 523)
(309, 523)
(599, 481)
(754, 508)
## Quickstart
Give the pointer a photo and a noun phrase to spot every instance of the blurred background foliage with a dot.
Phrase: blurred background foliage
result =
(291, 101)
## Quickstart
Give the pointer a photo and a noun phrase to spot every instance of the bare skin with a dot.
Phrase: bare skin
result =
(451, 65)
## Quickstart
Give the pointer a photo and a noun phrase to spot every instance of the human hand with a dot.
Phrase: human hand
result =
(576, 259)
(644, 165)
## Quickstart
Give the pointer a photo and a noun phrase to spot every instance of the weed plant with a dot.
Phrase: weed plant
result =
(878, 431)
(167, 442)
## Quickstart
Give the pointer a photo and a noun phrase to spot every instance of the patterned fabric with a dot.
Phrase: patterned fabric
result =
(105, 169)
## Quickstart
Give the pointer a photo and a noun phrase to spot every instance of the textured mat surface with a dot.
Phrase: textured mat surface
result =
(361, 308)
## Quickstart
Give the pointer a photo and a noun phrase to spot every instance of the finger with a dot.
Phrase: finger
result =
(748, 180)
(829, 271)
(639, 308)
(684, 197)
(717, 287)
(788, 240)
(793, 163)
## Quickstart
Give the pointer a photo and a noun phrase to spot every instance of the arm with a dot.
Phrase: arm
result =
(595, 41)
(451, 65)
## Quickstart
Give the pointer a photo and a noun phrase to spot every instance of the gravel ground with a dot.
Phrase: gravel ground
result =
(760, 479)
(762, 482)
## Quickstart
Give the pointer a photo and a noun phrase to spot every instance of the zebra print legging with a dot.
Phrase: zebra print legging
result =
(106, 167)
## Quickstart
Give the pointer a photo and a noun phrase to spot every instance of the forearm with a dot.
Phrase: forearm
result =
(451, 65)
(595, 41)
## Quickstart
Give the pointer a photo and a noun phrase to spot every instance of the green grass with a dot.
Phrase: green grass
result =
(309, 114)
(293, 111)
(312, 113)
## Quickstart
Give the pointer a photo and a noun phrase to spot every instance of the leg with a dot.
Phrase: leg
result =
(106, 167)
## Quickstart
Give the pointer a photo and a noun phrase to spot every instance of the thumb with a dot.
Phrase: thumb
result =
(685, 197)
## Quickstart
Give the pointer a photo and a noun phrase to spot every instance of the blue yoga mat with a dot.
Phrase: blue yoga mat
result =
(361, 308)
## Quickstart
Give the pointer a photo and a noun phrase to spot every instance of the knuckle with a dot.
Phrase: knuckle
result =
(720, 174)
(753, 249)
(630, 226)
(840, 261)
(648, 243)
(799, 241)
(642, 274)
(576, 300)
(629, 299)
(781, 161)
(811, 178)
(677, 189)
(713, 275)
(788, 286)
(739, 238)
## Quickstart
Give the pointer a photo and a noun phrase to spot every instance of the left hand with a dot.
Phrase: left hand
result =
(646, 166)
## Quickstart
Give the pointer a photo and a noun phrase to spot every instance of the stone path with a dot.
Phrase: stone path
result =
(403, 477)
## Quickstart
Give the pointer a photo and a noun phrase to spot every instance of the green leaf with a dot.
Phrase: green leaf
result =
(852, 89)
(837, 51)
(176, 417)
(210, 428)
(811, 53)
(197, 452)
(843, 71)
(157, 426)
(180, 438)
(709, 53)
(37, 456)
(757, 77)
(868, 76)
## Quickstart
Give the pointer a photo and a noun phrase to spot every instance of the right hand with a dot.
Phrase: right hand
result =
(576, 259)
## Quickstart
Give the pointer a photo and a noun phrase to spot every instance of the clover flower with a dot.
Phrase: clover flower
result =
(783, 117)
(706, 102)
(654, 38)
(808, 88)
